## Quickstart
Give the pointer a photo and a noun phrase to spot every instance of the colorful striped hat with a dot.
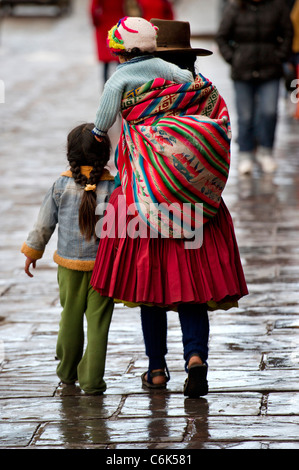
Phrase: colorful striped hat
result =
(132, 32)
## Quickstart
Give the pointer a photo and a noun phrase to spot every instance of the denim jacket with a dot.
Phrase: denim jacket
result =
(61, 206)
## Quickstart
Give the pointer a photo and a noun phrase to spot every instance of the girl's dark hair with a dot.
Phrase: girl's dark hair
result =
(84, 149)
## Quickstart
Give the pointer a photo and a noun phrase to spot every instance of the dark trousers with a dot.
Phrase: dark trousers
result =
(256, 103)
(194, 322)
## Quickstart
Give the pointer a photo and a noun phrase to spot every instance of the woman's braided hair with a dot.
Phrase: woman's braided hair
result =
(84, 149)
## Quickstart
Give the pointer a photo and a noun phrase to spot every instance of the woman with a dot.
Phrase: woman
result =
(182, 156)
(255, 38)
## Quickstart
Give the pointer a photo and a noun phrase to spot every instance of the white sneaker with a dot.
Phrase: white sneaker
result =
(245, 167)
(267, 163)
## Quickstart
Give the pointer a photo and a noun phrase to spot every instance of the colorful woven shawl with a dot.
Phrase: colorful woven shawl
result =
(174, 150)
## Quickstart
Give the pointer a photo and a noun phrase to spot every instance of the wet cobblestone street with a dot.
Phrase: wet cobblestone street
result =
(52, 83)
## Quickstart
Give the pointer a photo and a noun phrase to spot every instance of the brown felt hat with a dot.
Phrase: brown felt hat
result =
(174, 36)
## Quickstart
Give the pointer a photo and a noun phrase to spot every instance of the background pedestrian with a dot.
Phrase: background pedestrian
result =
(156, 9)
(255, 38)
(104, 13)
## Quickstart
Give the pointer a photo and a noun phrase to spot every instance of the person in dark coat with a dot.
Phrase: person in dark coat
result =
(255, 38)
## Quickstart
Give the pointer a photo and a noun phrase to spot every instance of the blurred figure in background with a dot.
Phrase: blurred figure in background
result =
(156, 9)
(255, 38)
(295, 21)
(291, 67)
(104, 13)
(290, 3)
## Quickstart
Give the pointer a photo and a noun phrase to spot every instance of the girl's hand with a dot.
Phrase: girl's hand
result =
(98, 138)
(28, 262)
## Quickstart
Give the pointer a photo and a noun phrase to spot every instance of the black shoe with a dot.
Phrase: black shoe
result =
(196, 384)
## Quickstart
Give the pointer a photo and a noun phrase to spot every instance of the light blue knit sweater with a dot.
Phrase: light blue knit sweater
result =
(130, 75)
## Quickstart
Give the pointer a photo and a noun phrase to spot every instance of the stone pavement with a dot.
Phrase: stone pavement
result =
(52, 83)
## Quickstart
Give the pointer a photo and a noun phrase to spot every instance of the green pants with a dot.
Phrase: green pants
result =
(78, 297)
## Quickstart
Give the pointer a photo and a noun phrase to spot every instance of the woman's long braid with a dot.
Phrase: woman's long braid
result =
(84, 149)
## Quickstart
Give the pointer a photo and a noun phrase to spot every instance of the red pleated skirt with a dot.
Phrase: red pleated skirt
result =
(162, 272)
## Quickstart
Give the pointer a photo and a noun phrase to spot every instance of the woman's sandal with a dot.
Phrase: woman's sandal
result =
(147, 378)
(196, 384)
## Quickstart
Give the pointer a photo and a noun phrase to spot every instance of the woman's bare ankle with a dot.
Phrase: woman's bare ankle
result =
(195, 360)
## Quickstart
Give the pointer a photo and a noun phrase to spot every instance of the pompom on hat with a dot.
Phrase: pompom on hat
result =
(131, 32)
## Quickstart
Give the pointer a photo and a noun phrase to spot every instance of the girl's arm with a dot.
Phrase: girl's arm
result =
(42, 231)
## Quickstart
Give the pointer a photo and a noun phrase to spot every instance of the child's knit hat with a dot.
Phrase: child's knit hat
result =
(132, 32)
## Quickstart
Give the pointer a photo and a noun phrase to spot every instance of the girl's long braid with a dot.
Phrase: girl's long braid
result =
(84, 149)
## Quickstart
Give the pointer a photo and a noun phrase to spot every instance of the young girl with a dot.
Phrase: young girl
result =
(133, 40)
(71, 203)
